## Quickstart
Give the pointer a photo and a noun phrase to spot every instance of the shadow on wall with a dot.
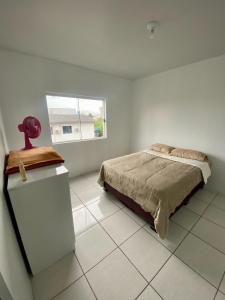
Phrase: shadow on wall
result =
(3, 149)
(216, 181)
(14, 275)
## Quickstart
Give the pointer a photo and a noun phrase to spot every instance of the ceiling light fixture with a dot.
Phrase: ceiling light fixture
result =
(151, 27)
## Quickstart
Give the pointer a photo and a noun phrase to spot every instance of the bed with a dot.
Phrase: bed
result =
(154, 185)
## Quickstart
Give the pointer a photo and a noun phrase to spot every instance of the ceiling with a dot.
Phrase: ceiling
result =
(111, 35)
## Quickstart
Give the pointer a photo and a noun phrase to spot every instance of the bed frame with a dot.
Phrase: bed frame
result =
(137, 209)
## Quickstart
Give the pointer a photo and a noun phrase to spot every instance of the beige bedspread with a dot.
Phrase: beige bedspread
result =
(159, 185)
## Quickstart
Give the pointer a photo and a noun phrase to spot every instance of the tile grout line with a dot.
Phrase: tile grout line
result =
(207, 243)
(194, 271)
(134, 266)
(65, 288)
(218, 290)
(156, 291)
(142, 227)
(223, 209)
(172, 252)
(98, 221)
(186, 234)
(133, 217)
(148, 285)
(214, 222)
(86, 278)
(211, 203)
(121, 208)
(123, 242)
(101, 260)
(201, 216)
(101, 220)
(166, 261)
(83, 273)
(118, 245)
(159, 241)
(141, 292)
(190, 232)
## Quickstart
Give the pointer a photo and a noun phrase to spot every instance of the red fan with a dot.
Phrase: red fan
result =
(32, 129)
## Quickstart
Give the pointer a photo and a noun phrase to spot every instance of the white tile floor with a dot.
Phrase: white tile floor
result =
(119, 257)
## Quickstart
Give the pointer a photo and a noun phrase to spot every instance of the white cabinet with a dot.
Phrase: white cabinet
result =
(43, 213)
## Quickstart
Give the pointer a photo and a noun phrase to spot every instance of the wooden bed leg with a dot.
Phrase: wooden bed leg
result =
(186, 202)
(105, 188)
(152, 227)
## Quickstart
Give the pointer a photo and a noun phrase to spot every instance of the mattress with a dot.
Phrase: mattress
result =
(159, 185)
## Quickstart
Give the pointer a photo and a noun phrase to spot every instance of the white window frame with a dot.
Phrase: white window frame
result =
(104, 99)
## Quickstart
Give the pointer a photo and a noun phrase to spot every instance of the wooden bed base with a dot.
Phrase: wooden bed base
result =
(136, 208)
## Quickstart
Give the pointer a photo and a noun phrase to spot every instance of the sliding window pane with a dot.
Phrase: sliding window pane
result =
(92, 117)
(63, 118)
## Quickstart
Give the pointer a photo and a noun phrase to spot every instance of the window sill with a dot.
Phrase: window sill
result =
(79, 141)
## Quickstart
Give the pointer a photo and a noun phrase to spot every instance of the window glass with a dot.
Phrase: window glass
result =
(67, 129)
(92, 115)
(74, 119)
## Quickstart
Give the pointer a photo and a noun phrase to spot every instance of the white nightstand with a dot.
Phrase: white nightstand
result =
(43, 213)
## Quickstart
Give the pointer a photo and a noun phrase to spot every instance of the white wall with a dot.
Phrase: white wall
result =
(184, 107)
(25, 79)
(13, 275)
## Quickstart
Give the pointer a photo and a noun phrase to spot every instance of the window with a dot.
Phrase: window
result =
(76, 119)
(67, 129)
